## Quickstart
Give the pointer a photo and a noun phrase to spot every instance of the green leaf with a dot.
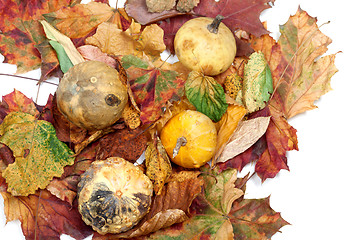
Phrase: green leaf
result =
(206, 95)
(258, 84)
(39, 154)
(64, 46)
(64, 60)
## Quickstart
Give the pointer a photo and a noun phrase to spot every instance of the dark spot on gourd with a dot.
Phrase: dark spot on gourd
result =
(102, 206)
(112, 100)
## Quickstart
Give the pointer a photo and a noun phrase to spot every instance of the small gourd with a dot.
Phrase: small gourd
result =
(114, 195)
(91, 95)
(205, 45)
(189, 138)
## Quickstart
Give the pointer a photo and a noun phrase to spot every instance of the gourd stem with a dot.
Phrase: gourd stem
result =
(214, 26)
(181, 141)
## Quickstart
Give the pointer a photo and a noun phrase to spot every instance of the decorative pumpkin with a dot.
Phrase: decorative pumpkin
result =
(91, 95)
(189, 138)
(113, 195)
(205, 45)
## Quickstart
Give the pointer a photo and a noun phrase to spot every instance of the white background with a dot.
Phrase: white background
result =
(319, 196)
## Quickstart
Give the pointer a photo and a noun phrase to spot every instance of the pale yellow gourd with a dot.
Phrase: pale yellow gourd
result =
(205, 45)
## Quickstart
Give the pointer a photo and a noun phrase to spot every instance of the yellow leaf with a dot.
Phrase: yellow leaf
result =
(158, 166)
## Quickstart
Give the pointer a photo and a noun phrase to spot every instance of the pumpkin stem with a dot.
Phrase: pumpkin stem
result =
(214, 26)
(181, 141)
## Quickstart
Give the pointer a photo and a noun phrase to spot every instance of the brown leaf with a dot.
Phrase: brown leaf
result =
(131, 116)
(43, 216)
(158, 165)
(160, 5)
(125, 143)
(186, 5)
(247, 133)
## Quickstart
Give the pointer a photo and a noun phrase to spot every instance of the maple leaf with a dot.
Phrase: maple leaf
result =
(255, 219)
(299, 72)
(43, 216)
(39, 154)
(16, 102)
(152, 87)
(78, 21)
(21, 31)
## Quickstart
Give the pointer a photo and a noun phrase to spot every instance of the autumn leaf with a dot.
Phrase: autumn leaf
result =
(92, 53)
(116, 42)
(212, 207)
(81, 19)
(43, 216)
(158, 165)
(257, 83)
(299, 72)
(16, 102)
(39, 155)
(160, 5)
(126, 143)
(255, 219)
(247, 134)
(21, 32)
(152, 87)
(206, 95)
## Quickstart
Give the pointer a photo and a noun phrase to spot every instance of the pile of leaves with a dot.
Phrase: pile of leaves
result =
(42, 154)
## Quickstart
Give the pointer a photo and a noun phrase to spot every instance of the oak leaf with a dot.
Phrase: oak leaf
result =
(39, 155)
(21, 32)
(152, 86)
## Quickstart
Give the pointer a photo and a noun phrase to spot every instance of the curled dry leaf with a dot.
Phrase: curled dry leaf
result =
(131, 116)
(186, 5)
(158, 165)
(247, 133)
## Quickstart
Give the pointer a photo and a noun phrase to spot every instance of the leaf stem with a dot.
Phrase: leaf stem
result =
(28, 78)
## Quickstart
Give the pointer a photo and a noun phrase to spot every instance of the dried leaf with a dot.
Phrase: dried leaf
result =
(114, 41)
(125, 143)
(158, 166)
(257, 84)
(227, 126)
(160, 5)
(131, 116)
(248, 133)
(43, 216)
(152, 87)
(255, 219)
(206, 95)
(64, 47)
(186, 5)
(299, 72)
(81, 19)
(210, 221)
(16, 102)
(39, 155)
(90, 52)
